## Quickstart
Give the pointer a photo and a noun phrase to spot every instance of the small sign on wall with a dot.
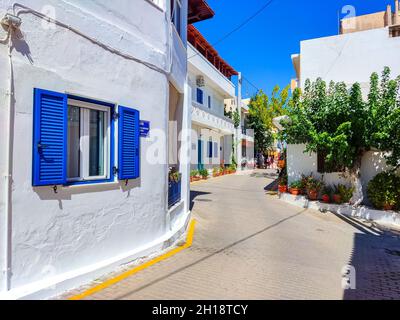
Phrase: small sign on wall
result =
(144, 129)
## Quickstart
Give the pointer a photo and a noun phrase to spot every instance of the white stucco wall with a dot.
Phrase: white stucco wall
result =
(300, 163)
(83, 229)
(350, 58)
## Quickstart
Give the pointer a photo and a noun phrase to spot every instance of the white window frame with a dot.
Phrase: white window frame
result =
(84, 146)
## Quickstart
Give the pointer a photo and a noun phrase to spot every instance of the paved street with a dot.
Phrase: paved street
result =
(250, 245)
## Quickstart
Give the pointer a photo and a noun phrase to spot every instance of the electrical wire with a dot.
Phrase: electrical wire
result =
(26, 10)
(240, 26)
(250, 83)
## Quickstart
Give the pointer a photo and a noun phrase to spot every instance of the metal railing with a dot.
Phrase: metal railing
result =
(174, 193)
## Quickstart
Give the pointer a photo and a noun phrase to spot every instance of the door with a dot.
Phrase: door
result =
(200, 155)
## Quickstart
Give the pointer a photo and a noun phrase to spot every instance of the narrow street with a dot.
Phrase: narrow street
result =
(250, 245)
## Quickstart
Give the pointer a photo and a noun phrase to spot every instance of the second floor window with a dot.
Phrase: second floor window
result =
(199, 96)
(176, 15)
(209, 102)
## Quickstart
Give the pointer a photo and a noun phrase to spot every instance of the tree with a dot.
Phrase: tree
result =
(340, 125)
(262, 111)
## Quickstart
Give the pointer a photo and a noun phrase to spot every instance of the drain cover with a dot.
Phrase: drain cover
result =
(393, 252)
(203, 200)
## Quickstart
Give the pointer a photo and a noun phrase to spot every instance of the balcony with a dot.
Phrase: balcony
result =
(208, 119)
(174, 187)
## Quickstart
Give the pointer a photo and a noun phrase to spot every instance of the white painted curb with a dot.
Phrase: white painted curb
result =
(366, 213)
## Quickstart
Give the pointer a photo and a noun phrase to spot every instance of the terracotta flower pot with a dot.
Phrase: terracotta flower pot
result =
(337, 198)
(326, 198)
(313, 195)
(295, 191)
(282, 189)
(388, 207)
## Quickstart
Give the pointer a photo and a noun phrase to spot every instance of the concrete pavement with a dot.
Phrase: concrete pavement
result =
(250, 245)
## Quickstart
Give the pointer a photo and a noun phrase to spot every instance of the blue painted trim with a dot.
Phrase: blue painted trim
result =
(101, 103)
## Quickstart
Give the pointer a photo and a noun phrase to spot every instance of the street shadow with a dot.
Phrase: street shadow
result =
(376, 262)
(194, 195)
(273, 186)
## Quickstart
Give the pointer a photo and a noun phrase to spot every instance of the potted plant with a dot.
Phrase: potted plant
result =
(314, 187)
(232, 169)
(326, 194)
(215, 172)
(283, 181)
(346, 193)
(304, 182)
(221, 171)
(204, 174)
(337, 198)
(193, 175)
(174, 175)
(295, 188)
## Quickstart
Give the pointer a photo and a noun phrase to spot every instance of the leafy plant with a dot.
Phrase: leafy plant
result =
(236, 119)
(204, 173)
(327, 190)
(174, 175)
(283, 181)
(346, 193)
(194, 173)
(262, 110)
(337, 122)
(296, 185)
(384, 190)
(314, 185)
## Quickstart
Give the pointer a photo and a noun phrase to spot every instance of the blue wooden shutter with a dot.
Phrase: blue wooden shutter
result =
(49, 138)
(128, 144)
(200, 96)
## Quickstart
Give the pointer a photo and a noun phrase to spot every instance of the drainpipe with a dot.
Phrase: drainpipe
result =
(10, 22)
(8, 178)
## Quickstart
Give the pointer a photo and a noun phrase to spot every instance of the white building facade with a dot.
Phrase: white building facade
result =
(349, 57)
(212, 131)
(83, 191)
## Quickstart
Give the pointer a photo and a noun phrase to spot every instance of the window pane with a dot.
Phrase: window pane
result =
(74, 136)
(96, 135)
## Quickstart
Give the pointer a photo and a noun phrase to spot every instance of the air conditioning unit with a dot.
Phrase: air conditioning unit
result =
(200, 81)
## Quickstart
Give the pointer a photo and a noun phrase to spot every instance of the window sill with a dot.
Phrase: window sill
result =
(91, 185)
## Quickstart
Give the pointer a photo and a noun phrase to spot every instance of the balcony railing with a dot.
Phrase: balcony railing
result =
(174, 193)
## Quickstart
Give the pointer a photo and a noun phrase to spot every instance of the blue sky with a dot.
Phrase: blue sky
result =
(261, 50)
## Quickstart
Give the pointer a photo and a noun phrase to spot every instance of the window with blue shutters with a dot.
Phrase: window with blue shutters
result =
(73, 140)
(129, 144)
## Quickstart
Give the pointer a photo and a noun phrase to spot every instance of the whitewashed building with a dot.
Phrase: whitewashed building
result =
(366, 44)
(84, 189)
(209, 78)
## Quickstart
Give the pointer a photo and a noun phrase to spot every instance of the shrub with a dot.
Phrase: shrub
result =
(384, 190)
(204, 173)
(346, 193)
(194, 173)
